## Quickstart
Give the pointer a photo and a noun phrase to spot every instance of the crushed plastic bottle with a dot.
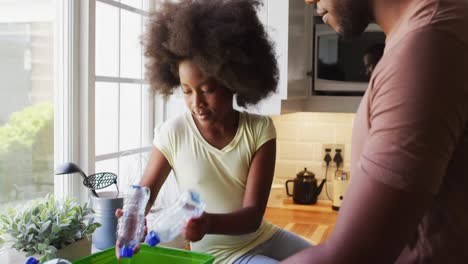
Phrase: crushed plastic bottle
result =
(32, 260)
(165, 225)
(130, 228)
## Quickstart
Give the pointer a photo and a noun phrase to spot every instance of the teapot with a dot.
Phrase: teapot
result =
(305, 189)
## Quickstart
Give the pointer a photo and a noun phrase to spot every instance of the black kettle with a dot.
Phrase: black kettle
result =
(305, 188)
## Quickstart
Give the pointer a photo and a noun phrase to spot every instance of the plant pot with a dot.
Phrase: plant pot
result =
(77, 250)
(10, 255)
(104, 208)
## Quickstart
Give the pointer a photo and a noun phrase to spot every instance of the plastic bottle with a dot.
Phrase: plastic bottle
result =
(32, 260)
(130, 228)
(165, 225)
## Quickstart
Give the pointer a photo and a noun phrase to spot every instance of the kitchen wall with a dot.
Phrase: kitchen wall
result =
(300, 137)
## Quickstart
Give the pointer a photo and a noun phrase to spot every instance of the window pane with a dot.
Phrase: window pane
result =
(131, 168)
(107, 40)
(147, 116)
(133, 3)
(110, 165)
(130, 116)
(130, 50)
(107, 117)
(26, 100)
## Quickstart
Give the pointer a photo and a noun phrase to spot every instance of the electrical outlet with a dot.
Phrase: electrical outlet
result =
(333, 148)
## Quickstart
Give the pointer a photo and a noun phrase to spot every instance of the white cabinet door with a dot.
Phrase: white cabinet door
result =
(288, 24)
(299, 50)
(277, 27)
(274, 16)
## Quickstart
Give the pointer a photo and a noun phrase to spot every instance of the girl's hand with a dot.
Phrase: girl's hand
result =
(197, 228)
(118, 243)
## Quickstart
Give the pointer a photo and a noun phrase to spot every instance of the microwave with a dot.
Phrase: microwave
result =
(338, 64)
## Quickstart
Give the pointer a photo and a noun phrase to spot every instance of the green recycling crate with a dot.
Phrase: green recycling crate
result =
(148, 255)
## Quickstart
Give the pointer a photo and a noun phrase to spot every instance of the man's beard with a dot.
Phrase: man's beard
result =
(354, 18)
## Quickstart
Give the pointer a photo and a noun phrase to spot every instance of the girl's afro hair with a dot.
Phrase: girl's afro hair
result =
(224, 38)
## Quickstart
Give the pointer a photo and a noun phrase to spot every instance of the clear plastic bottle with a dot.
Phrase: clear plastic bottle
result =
(130, 228)
(165, 225)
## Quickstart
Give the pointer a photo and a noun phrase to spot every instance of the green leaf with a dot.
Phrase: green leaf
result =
(44, 214)
(45, 226)
(42, 247)
(55, 229)
(35, 220)
(5, 219)
(27, 218)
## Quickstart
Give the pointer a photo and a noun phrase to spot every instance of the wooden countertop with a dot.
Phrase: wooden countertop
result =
(313, 222)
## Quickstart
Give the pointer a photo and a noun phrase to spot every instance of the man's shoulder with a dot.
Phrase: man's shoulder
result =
(447, 18)
(424, 48)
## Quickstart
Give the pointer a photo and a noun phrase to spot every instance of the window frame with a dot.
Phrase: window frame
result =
(71, 93)
(75, 123)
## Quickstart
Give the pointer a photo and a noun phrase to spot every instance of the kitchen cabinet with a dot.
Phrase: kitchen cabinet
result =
(288, 24)
(290, 27)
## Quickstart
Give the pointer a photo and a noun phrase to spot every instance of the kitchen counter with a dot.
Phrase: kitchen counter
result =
(313, 222)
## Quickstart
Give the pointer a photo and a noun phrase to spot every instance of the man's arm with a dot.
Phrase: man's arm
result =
(373, 225)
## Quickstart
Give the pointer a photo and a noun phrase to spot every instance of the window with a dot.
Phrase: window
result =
(123, 101)
(27, 48)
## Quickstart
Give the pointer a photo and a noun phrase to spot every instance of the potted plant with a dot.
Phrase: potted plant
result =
(50, 228)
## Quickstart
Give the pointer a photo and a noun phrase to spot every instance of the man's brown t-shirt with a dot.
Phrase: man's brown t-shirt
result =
(411, 129)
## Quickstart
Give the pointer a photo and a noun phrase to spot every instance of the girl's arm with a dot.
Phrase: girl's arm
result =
(156, 172)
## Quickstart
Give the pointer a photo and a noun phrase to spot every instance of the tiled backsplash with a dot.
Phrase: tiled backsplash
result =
(300, 137)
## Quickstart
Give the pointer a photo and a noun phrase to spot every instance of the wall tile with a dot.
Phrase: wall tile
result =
(343, 134)
(300, 139)
(286, 131)
(296, 151)
(347, 155)
(285, 169)
(317, 132)
(276, 118)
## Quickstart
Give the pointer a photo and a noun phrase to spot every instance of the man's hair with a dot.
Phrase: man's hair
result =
(224, 38)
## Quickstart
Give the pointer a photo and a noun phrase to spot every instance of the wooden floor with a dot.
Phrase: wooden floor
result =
(312, 222)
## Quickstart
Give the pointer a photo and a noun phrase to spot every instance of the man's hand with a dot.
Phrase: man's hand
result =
(197, 228)
(118, 243)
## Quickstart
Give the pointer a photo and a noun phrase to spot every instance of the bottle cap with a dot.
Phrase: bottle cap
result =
(138, 187)
(195, 197)
(126, 252)
(32, 260)
(152, 239)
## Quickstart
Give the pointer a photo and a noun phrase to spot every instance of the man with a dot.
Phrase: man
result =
(408, 199)
(371, 57)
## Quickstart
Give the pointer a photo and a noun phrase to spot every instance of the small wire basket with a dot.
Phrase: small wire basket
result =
(101, 180)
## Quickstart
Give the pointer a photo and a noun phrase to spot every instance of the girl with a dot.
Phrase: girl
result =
(215, 51)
